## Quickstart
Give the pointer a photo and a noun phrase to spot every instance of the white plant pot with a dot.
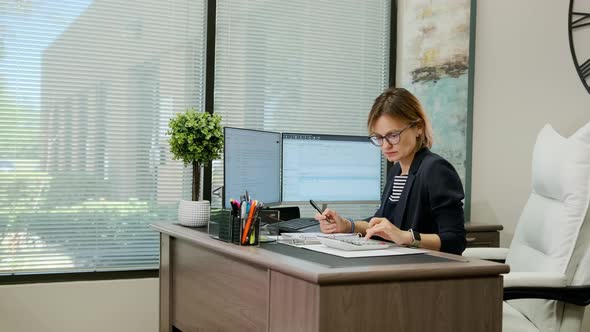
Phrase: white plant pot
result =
(194, 213)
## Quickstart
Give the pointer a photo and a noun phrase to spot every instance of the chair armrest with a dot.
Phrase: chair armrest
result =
(534, 279)
(487, 253)
(540, 285)
(578, 295)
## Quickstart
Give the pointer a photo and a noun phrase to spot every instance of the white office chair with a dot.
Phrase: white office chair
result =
(549, 257)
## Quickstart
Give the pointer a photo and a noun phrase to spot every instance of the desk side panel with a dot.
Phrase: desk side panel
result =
(294, 304)
(211, 292)
(454, 305)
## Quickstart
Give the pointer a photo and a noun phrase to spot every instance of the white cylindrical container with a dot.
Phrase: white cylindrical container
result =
(194, 213)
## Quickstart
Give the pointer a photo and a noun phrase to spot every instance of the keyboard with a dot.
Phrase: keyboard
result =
(294, 225)
(353, 242)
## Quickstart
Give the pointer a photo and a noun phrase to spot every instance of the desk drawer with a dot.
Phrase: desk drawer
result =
(483, 239)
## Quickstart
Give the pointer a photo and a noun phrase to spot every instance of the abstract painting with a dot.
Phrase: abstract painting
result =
(434, 51)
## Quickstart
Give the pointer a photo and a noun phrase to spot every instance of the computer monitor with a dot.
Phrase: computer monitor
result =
(330, 169)
(252, 162)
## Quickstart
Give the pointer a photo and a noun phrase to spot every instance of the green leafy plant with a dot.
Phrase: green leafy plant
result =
(195, 138)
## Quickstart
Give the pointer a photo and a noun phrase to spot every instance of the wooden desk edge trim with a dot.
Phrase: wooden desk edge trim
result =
(319, 274)
(410, 274)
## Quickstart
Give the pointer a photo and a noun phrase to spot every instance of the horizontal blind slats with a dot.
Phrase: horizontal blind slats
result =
(300, 66)
(86, 93)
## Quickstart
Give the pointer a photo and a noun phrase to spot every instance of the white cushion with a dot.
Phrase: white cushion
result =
(582, 134)
(514, 321)
(549, 226)
(544, 314)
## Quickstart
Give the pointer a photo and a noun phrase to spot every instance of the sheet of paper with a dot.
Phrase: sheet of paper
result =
(301, 239)
(392, 251)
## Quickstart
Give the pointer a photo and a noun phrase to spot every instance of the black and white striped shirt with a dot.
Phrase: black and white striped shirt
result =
(398, 186)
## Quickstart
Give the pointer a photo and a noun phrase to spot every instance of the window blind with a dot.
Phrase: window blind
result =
(300, 66)
(86, 92)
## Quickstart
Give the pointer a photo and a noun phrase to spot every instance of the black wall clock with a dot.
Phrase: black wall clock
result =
(579, 37)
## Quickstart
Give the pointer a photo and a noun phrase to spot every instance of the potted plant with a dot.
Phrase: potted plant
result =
(196, 138)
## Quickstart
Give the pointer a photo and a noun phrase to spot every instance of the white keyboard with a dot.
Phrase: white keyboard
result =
(353, 243)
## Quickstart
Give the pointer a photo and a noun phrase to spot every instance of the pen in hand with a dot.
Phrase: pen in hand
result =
(315, 206)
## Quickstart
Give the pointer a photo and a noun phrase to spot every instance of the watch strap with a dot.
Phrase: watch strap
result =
(416, 238)
(351, 224)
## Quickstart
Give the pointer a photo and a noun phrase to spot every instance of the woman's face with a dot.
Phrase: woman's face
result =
(390, 127)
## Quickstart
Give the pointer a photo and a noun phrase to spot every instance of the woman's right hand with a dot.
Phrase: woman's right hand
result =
(332, 222)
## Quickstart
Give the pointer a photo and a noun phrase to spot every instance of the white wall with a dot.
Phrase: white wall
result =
(89, 306)
(524, 78)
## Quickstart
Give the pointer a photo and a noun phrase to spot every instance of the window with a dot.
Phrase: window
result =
(300, 66)
(86, 92)
(87, 89)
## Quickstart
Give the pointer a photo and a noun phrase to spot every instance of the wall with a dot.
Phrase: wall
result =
(524, 78)
(89, 306)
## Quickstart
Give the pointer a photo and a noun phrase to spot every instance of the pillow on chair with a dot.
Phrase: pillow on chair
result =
(552, 217)
(551, 220)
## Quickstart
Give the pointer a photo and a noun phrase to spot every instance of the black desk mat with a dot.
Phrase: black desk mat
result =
(336, 261)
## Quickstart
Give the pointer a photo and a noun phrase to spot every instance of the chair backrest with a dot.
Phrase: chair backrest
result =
(550, 226)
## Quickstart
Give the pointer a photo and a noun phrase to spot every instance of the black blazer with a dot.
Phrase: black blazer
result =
(431, 201)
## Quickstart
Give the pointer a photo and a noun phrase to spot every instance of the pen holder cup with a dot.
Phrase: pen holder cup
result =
(244, 234)
(219, 226)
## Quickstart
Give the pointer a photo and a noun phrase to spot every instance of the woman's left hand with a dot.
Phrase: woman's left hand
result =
(384, 228)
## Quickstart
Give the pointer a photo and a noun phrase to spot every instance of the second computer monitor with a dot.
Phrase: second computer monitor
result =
(330, 168)
(252, 160)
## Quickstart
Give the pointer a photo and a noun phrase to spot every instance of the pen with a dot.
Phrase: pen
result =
(328, 219)
(243, 210)
(315, 206)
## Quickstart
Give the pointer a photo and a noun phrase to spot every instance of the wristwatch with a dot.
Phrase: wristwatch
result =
(415, 239)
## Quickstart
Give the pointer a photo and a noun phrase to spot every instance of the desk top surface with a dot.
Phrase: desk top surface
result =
(458, 267)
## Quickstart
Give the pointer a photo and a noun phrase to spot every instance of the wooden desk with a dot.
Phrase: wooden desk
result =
(482, 235)
(209, 285)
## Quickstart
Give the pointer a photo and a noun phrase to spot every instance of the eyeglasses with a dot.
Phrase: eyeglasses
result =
(392, 138)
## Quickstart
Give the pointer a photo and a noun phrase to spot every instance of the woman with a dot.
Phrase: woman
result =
(421, 205)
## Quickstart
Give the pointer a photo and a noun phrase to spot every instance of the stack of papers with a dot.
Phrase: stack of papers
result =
(310, 241)
(391, 251)
(302, 239)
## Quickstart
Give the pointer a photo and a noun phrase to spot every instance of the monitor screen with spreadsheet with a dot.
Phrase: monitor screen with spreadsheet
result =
(330, 168)
(252, 162)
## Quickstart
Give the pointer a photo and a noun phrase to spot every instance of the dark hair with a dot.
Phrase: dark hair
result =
(401, 104)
